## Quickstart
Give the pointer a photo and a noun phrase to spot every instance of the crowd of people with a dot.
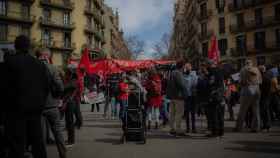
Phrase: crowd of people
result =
(38, 97)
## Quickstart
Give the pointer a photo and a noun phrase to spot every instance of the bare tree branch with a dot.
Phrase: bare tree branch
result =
(135, 45)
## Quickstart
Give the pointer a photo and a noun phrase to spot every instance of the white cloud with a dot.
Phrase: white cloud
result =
(141, 14)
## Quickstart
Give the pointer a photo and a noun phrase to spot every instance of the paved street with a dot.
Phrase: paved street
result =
(99, 138)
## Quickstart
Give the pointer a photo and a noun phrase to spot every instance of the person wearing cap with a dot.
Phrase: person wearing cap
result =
(215, 108)
(250, 80)
(26, 89)
(51, 112)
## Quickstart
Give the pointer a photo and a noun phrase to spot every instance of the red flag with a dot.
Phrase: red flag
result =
(84, 62)
(82, 68)
(213, 52)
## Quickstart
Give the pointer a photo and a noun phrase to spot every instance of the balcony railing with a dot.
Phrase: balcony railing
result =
(56, 24)
(58, 4)
(270, 46)
(89, 29)
(252, 24)
(89, 11)
(248, 4)
(18, 17)
(206, 15)
(206, 35)
(24, 1)
(58, 45)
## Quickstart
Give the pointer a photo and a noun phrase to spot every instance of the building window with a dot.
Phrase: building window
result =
(25, 11)
(25, 31)
(223, 46)
(3, 32)
(277, 11)
(66, 18)
(259, 16)
(241, 46)
(260, 40)
(46, 38)
(278, 38)
(3, 7)
(238, 3)
(46, 15)
(203, 10)
(222, 25)
(205, 49)
(67, 40)
(203, 29)
(220, 5)
(240, 19)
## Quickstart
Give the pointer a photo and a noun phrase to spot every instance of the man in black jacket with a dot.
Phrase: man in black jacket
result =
(215, 105)
(26, 88)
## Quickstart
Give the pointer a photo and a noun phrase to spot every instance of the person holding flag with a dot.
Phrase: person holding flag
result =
(216, 88)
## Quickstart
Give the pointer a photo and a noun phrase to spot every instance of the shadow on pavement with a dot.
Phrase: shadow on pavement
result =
(109, 141)
(103, 126)
(257, 146)
(163, 135)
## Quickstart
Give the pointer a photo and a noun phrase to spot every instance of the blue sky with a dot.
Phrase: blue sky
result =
(148, 19)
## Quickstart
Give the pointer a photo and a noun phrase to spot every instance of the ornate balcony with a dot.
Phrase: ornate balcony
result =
(18, 17)
(24, 1)
(58, 4)
(58, 45)
(250, 25)
(248, 4)
(88, 11)
(89, 29)
(45, 22)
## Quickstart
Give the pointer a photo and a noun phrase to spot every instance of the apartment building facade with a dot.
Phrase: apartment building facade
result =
(113, 34)
(63, 26)
(244, 29)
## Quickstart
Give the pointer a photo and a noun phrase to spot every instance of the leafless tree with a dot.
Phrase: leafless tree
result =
(135, 45)
(161, 47)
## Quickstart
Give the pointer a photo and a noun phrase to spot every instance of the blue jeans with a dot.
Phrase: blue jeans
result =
(190, 109)
(123, 106)
(114, 105)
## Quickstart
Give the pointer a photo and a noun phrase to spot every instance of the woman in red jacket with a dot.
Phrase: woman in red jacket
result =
(123, 95)
(153, 86)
